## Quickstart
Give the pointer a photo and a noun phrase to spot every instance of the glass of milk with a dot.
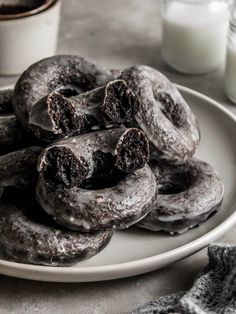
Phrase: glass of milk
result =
(195, 34)
(230, 70)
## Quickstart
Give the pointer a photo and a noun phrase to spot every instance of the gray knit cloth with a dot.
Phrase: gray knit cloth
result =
(213, 292)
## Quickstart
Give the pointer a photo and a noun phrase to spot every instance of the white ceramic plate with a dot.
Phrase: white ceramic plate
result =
(137, 251)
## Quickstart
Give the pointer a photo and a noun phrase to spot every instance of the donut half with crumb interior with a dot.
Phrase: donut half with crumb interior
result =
(71, 161)
(56, 116)
(67, 74)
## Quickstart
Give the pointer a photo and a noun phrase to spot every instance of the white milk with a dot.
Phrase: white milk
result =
(230, 71)
(195, 35)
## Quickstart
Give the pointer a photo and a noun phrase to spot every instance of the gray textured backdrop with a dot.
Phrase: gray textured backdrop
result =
(117, 33)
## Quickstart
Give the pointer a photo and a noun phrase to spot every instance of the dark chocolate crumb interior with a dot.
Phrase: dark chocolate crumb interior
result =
(61, 168)
(65, 116)
(120, 103)
(132, 151)
(61, 111)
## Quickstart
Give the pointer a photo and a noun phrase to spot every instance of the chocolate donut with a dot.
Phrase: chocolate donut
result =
(12, 135)
(55, 116)
(186, 195)
(6, 101)
(164, 116)
(71, 161)
(28, 235)
(118, 205)
(19, 169)
(67, 74)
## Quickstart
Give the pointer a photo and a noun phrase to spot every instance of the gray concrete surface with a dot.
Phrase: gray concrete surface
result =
(116, 33)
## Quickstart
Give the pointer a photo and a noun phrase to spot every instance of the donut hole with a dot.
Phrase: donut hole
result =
(61, 168)
(67, 92)
(120, 104)
(132, 151)
(174, 184)
(61, 111)
(103, 181)
(170, 109)
(70, 91)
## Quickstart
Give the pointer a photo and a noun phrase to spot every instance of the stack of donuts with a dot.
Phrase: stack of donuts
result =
(86, 151)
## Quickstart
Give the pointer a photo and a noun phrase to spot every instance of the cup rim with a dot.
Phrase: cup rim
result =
(41, 8)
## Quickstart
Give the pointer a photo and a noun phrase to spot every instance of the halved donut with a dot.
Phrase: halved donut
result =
(164, 115)
(186, 195)
(97, 206)
(56, 116)
(67, 74)
(69, 162)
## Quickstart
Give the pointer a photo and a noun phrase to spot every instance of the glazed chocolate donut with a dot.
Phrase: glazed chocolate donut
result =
(28, 235)
(12, 136)
(55, 116)
(186, 195)
(19, 169)
(118, 205)
(164, 115)
(6, 101)
(67, 74)
(69, 162)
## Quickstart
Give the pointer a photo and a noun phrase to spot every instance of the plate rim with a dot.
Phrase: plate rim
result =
(131, 268)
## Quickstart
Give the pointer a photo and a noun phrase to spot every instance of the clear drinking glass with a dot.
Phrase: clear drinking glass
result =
(195, 34)
(230, 69)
